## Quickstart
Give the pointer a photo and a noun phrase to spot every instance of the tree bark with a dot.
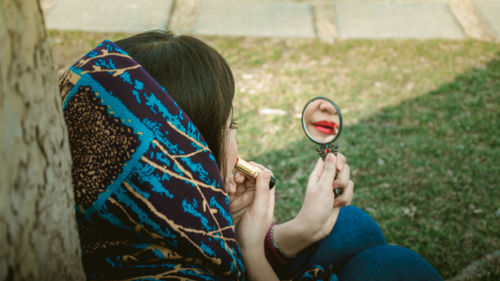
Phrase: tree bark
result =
(38, 235)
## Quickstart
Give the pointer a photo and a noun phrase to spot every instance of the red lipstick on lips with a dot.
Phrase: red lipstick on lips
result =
(326, 127)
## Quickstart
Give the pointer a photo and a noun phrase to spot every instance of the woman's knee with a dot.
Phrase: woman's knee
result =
(354, 232)
(388, 262)
(358, 226)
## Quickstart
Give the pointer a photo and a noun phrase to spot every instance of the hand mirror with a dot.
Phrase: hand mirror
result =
(322, 123)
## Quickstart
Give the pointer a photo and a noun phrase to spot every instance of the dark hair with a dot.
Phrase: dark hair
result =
(194, 74)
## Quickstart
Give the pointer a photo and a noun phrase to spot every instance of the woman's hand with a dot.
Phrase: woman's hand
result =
(257, 217)
(253, 227)
(320, 209)
(318, 213)
(241, 193)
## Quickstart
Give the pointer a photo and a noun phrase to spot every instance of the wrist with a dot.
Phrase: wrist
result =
(252, 250)
(254, 257)
(273, 252)
(252, 254)
(257, 266)
(312, 229)
(293, 236)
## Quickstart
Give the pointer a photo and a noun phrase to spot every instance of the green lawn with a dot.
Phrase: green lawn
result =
(421, 131)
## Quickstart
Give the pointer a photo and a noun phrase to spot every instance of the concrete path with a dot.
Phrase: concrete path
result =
(327, 20)
(490, 11)
(268, 19)
(396, 20)
(108, 15)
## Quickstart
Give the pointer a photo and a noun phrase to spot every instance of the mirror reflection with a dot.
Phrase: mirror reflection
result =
(321, 120)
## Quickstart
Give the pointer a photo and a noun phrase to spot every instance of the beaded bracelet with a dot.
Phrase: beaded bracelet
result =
(280, 252)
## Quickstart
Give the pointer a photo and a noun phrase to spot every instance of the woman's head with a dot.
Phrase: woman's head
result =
(195, 75)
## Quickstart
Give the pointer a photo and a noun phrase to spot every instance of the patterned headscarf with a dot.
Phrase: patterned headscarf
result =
(150, 201)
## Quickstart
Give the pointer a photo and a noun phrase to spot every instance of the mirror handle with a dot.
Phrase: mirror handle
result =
(323, 150)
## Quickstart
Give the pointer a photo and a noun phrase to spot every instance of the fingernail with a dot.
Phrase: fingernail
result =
(340, 165)
(330, 157)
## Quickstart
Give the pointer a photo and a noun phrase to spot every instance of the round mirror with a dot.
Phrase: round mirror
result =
(322, 123)
(322, 120)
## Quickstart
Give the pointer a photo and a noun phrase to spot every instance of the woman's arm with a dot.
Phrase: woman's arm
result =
(257, 266)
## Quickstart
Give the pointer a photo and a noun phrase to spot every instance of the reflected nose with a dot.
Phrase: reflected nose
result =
(327, 107)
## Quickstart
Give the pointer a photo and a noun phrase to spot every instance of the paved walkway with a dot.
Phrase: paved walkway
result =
(327, 20)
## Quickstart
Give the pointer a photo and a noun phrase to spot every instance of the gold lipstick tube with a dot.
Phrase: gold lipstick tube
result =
(251, 171)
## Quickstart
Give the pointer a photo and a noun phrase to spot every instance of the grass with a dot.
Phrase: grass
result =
(421, 131)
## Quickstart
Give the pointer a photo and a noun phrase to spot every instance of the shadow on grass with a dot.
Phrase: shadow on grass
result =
(427, 170)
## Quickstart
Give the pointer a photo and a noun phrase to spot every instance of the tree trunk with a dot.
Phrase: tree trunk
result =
(38, 236)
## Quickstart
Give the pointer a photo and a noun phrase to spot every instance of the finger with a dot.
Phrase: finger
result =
(249, 184)
(240, 189)
(329, 170)
(262, 191)
(342, 179)
(341, 160)
(346, 198)
(242, 201)
(270, 206)
(231, 188)
(239, 177)
(316, 173)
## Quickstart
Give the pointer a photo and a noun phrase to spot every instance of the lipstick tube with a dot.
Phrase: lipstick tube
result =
(251, 171)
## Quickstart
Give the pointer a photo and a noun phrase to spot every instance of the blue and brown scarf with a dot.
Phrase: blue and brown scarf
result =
(149, 198)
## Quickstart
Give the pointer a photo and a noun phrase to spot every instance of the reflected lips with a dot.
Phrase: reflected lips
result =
(326, 127)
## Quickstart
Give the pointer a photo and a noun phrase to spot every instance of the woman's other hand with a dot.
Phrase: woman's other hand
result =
(320, 209)
(318, 213)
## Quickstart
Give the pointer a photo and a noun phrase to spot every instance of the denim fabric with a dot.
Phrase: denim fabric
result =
(356, 250)
(388, 262)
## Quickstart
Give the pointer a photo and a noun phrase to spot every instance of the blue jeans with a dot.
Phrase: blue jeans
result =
(356, 250)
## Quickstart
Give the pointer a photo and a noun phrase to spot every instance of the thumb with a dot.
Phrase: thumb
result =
(316, 173)
(329, 170)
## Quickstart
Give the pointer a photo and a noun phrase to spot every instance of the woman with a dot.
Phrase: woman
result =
(154, 189)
